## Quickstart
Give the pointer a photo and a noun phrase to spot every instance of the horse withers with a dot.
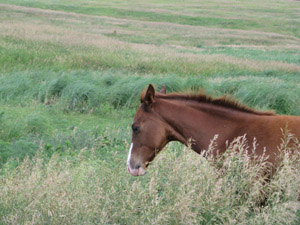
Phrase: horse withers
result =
(162, 118)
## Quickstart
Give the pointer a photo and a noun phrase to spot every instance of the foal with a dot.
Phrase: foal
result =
(162, 118)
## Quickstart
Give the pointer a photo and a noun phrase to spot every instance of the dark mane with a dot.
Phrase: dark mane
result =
(222, 101)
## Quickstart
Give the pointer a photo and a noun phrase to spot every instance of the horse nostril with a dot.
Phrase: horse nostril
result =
(137, 166)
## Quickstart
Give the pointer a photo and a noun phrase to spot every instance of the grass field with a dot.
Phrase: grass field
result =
(70, 77)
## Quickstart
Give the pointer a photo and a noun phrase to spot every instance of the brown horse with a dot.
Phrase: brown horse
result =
(162, 118)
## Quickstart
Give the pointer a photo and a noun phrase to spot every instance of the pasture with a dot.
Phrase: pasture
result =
(71, 73)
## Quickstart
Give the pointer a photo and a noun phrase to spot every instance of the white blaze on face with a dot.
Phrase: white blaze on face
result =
(129, 155)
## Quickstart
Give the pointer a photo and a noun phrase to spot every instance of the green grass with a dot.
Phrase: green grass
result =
(290, 56)
(101, 93)
(18, 55)
(70, 81)
(42, 104)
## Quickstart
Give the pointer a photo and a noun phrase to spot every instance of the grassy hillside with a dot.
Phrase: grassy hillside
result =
(63, 40)
(70, 77)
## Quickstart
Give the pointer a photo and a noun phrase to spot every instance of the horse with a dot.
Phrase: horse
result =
(162, 118)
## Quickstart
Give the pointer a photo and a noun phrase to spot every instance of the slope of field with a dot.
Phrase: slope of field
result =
(70, 77)
(63, 40)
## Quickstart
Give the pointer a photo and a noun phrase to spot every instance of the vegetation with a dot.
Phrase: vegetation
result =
(87, 189)
(70, 77)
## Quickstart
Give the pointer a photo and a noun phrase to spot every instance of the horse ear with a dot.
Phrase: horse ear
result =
(149, 96)
(163, 90)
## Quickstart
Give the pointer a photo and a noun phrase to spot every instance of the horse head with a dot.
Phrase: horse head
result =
(149, 134)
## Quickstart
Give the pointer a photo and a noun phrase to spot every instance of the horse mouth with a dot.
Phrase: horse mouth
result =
(147, 164)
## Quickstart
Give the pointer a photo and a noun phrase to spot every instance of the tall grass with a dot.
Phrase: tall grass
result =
(91, 91)
(179, 189)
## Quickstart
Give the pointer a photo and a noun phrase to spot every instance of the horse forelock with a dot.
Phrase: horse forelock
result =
(142, 96)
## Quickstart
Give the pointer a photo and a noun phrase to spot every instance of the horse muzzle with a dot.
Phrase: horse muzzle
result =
(140, 171)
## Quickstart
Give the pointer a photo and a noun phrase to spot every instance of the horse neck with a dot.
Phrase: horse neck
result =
(200, 122)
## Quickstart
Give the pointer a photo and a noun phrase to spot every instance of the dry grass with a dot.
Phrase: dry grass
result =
(181, 188)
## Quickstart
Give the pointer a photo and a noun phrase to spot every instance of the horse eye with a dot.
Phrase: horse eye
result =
(135, 129)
